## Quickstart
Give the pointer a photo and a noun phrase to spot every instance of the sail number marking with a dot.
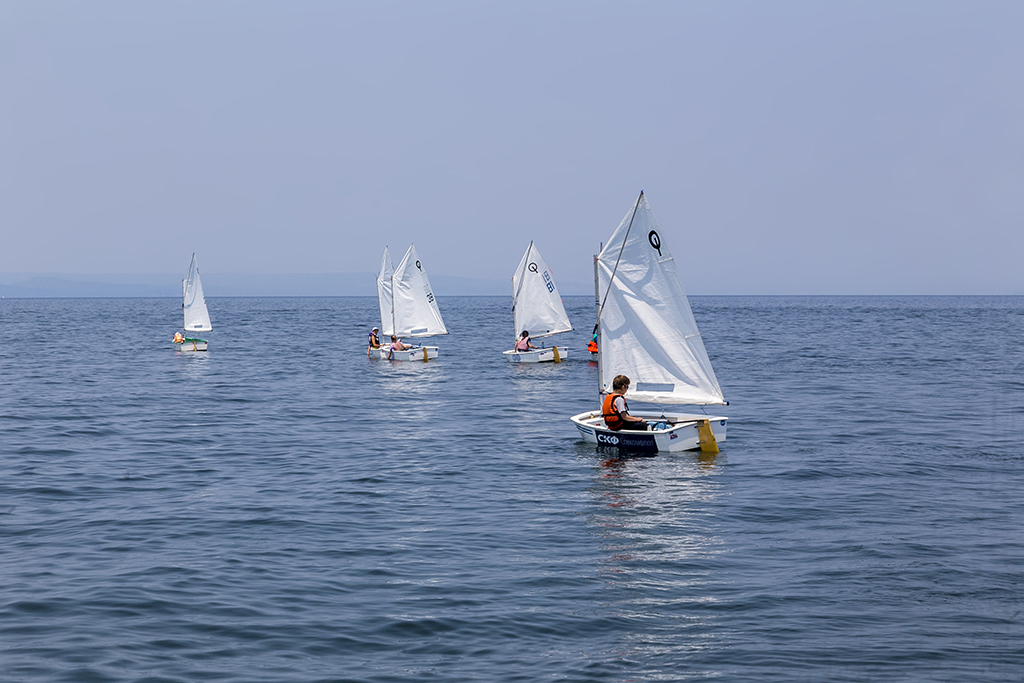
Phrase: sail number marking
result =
(655, 240)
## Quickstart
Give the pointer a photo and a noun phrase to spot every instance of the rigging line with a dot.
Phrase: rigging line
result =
(188, 281)
(626, 237)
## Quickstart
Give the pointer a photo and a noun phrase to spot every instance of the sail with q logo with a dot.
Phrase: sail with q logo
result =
(537, 309)
(408, 307)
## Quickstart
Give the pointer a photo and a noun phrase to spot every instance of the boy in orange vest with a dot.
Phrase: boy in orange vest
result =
(616, 412)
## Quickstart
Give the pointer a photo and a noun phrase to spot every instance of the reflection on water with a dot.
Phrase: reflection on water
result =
(535, 387)
(654, 518)
(193, 365)
(534, 381)
(408, 391)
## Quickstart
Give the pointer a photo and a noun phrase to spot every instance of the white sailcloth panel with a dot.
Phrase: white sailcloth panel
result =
(197, 318)
(536, 305)
(416, 312)
(647, 328)
(384, 294)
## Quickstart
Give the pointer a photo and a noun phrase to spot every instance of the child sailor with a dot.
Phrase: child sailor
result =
(373, 341)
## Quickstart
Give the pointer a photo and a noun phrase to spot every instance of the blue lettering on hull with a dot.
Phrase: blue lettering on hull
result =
(634, 441)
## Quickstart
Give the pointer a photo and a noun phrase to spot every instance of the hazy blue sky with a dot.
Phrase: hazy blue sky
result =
(785, 147)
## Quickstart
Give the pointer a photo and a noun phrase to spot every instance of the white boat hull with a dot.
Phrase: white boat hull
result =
(190, 345)
(537, 356)
(413, 354)
(681, 435)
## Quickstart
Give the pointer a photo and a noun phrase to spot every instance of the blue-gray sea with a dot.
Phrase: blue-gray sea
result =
(280, 508)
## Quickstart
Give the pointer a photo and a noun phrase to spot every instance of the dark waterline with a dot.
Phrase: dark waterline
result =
(281, 508)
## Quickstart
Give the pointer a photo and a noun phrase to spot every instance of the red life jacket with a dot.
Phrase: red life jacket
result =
(592, 346)
(611, 414)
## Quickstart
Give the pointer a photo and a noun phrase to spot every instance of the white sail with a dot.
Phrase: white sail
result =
(193, 304)
(536, 305)
(415, 308)
(647, 331)
(387, 326)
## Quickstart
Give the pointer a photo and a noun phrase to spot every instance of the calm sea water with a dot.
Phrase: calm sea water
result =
(282, 509)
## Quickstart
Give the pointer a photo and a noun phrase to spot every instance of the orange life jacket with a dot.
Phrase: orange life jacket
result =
(592, 346)
(610, 413)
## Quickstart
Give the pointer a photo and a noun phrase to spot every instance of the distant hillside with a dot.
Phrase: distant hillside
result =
(34, 285)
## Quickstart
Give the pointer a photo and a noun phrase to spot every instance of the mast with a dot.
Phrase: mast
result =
(515, 295)
(597, 289)
(597, 308)
(618, 258)
(184, 281)
(394, 329)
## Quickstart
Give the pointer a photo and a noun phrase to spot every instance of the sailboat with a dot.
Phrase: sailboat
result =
(537, 308)
(407, 307)
(193, 306)
(647, 332)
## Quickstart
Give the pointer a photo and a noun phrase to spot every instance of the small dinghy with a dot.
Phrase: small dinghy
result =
(407, 307)
(647, 332)
(193, 306)
(537, 308)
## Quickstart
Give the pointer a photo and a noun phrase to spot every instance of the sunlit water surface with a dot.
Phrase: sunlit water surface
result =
(282, 509)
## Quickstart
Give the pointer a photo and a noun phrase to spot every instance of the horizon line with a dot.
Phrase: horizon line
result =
(492, 296)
